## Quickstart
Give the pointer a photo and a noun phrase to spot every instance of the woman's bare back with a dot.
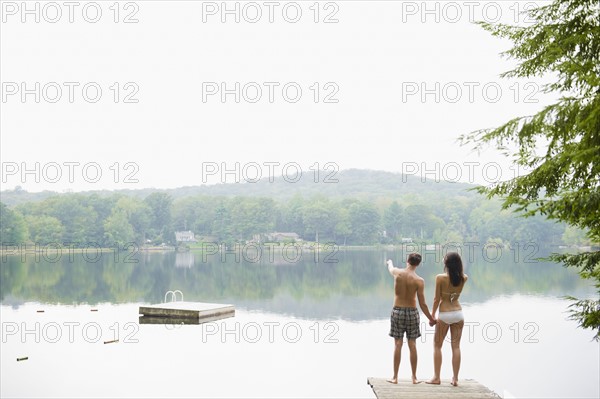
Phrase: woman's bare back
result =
(449, 294)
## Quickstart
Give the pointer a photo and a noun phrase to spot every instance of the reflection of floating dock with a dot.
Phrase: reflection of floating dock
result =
(466, 389)
(179, 320)
(184, 312)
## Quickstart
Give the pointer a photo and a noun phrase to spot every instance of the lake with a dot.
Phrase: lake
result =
(304, 327)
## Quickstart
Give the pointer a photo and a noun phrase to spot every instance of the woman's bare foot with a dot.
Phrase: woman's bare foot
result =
(415, 380)
(454, 381)
(393, 380)
(435, 381)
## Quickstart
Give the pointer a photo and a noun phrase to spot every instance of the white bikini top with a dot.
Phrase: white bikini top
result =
(452, 295)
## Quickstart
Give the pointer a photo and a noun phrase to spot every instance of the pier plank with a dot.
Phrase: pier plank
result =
(466, 389)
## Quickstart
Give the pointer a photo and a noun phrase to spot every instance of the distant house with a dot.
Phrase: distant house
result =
(406, 240)
(185, 236)
(283, 237)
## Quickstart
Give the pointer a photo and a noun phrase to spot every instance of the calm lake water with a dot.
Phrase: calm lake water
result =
(303, 328)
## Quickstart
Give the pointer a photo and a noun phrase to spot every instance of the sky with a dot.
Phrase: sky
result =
(164, 94)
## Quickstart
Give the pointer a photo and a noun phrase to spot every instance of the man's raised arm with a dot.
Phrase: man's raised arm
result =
(393, 270)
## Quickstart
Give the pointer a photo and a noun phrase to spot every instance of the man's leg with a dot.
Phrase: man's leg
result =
(397, 350)
(412, 346)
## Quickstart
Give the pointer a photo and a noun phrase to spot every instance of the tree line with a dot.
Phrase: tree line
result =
(118, 219)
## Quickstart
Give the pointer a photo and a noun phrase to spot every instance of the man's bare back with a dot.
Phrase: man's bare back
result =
(406, 286)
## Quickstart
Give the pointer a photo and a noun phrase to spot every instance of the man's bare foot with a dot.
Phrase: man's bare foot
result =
(415, 380)
(454, 381)
(435, 381)
(393, 381)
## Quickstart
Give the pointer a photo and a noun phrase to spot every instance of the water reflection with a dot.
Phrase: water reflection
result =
(352, 285)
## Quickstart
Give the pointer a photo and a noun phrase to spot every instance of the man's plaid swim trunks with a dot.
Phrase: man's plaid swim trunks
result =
(405, 320)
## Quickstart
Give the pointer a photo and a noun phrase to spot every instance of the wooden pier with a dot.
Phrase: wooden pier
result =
(466, 389)
(180, 312)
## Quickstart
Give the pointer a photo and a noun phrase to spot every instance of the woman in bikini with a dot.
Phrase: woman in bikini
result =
(448, 287)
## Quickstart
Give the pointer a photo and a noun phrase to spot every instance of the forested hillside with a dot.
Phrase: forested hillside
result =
(361, 208)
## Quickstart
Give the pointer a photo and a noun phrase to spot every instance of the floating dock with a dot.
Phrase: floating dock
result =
(181, 312)
(466, 389)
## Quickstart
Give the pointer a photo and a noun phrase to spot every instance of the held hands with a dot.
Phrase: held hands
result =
(432, 322)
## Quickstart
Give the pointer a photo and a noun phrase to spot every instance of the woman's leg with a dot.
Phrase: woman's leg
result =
(441, 329)
(455, 335)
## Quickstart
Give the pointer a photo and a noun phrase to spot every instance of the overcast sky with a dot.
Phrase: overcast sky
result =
(347, 84)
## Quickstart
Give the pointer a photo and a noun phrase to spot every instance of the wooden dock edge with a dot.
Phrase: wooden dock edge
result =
(466, 389)
(183, 320)
(179, 312)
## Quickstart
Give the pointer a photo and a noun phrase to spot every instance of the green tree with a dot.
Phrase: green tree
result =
(252, 216)
(44, 229)
(453, 231)
(13, 229)
(431, 223)
(318, 217)
(160, 217)
(118, 229)
(292, 215)
(138, 215)
(342, 227)
(364, 222)
(393, 219)
(77, 218)
(102, 207)
(560, 144)
(413, 221)
(221, 226)
(185, 213)
(574, 236)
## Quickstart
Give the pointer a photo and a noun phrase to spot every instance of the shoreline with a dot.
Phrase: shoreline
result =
(213, 247)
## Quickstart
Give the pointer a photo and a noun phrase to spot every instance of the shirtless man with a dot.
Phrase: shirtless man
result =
(408, 286)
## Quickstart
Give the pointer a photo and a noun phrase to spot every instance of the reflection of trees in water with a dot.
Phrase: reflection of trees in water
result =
(357, 286)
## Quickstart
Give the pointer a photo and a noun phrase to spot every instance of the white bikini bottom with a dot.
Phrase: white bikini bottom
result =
(451, 317)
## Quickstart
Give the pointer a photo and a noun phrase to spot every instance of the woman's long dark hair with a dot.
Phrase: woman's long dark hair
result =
(454, 268)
